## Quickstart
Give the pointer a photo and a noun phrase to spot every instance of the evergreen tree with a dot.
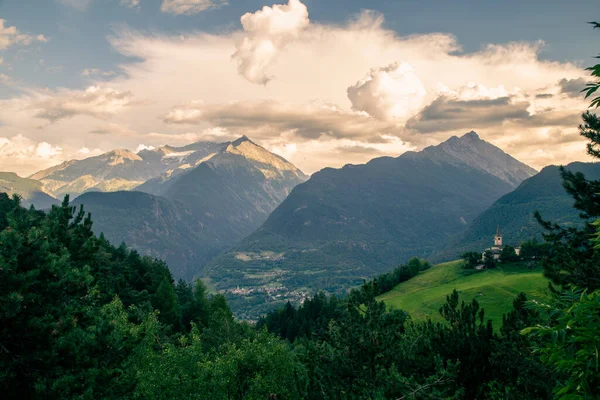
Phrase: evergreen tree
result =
(572, 260)
(166, 302)
(508, 254)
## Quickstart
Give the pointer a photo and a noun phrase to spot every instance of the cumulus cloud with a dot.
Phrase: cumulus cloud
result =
(101, 103)
(268, 32)
(23, 155)
(392, 92)
(10, 36)
(189, 7)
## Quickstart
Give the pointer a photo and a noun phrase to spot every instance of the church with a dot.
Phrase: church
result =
(496, 249)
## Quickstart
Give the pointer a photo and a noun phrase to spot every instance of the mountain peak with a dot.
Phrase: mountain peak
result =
(471, 136)
(471, 150)
(119, 156)
(241, 140)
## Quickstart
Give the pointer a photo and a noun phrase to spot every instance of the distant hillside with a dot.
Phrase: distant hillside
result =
(495, 289)
(153, 226)
(30, 190)
(344, 225)
(513, 213)
(190, 216)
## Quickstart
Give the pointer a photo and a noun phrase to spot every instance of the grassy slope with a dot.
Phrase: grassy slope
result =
(495, 290)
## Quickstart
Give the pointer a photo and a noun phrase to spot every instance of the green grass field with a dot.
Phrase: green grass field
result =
(495, 289)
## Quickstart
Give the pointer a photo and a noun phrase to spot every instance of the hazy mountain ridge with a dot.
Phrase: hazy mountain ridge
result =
(31, 191)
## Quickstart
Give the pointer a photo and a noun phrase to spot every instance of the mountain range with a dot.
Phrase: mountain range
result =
(261, 231)
(122, 169)
(345, 225)
(214, 195)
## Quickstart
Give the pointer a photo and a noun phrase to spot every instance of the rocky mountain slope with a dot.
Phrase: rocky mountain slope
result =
(121, 169)
(191, 213)
(344, 225)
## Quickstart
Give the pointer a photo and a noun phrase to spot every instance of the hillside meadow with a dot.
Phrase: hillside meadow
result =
(494, 289)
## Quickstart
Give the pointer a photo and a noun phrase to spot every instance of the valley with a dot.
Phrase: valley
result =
(263, 233)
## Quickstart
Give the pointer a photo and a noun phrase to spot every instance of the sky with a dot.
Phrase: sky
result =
(322, 83)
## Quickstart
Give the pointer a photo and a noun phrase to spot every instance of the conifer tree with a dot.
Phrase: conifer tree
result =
(572, 260)
(166, 302)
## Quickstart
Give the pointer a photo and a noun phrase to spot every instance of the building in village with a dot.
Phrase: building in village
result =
(496, 249)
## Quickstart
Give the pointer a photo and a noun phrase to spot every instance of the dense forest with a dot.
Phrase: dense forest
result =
(83, 319)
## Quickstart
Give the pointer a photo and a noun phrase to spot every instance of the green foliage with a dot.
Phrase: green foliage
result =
(311, 319)
(386, 282)
(257, 367)
(488, 260)
(166, 302)
(591, 88)
(471, 258)
(64, 335)
(84, 319)
(571, 344)
(534, 250)
(508, 254)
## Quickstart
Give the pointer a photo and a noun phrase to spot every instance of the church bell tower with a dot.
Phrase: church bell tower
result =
(498, 238)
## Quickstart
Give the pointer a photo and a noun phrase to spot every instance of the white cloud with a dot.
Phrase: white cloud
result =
(392, 92)
(95, 73)
(80, 5)
(505, 92)
(1, 60)
(101, 103)
(475, 91)
(268, 32)
(189, 7)
(143, 147)
(130, 3)
(10, 36)
(23, 155)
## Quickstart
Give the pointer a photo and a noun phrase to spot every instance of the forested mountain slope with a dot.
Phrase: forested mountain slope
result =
(514, 212)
